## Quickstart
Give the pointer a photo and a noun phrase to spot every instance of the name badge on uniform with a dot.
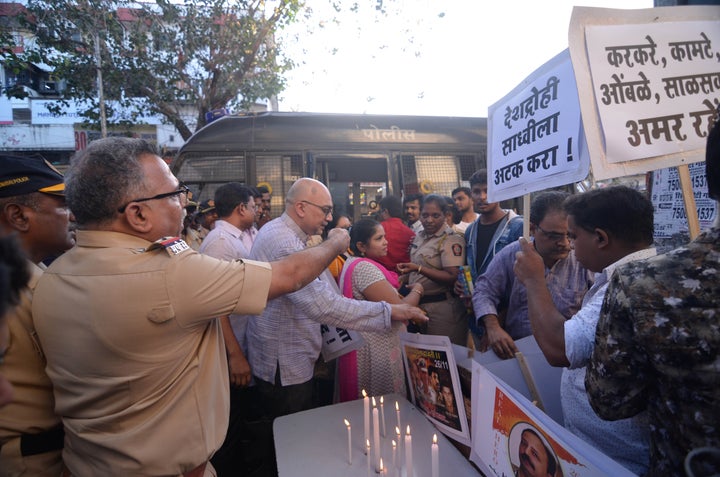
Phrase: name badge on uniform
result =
(172, 245)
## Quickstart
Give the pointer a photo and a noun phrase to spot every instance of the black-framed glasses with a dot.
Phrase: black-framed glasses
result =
(554, 236)
(327, 209)
(182, 189)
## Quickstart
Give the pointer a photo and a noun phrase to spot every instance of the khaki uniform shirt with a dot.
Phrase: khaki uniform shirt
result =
(443, 249)
(135, 355)
(32, 408)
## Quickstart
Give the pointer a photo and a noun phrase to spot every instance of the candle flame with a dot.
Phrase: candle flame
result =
(408, 430)
(394, 443)
(397, 406)
(397, 430)
(381, 465)
(347, 423)
(373, 401)
(434, 438)
(364, 393)
(381, 399)
(367, 443)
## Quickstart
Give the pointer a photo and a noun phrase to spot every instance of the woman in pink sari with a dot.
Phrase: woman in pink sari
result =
(377, 366)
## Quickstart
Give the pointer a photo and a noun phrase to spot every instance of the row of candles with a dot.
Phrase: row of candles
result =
(377, 418)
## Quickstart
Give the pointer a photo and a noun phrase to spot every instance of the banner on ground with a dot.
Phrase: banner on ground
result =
(505, 424)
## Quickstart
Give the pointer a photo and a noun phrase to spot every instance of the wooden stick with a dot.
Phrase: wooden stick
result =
(689, 199)
(526, 216)
(529, 380)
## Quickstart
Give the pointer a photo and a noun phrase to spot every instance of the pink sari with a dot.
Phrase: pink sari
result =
(347, 370)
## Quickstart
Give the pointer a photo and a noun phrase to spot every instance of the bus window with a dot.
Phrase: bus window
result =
(361, 158)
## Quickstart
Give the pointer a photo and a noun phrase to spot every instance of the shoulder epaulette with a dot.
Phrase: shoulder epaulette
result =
(173, 245)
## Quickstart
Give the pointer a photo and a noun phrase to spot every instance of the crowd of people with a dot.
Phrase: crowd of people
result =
(113, 362)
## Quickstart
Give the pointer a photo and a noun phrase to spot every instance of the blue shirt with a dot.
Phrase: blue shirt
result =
(567, 281)
(287, 334)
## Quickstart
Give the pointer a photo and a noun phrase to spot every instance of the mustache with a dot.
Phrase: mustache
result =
(524, 458)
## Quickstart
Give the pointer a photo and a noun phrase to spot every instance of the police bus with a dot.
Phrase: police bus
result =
(361, 158)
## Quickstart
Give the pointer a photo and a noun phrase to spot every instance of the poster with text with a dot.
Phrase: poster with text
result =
(535, 134)
(510, 433)
(667, 199)
(649, 83)
(434, 383)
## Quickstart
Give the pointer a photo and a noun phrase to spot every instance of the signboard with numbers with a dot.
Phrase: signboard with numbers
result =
(667, 199)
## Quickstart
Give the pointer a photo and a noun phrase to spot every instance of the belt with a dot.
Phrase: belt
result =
(433, 298)
(198, 471)
(34, 444)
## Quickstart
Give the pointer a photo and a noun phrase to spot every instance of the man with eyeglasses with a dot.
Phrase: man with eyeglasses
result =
(134, 350)
(285, 342)
(500, 299)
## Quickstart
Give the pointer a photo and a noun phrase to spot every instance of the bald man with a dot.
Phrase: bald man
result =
(285, 343)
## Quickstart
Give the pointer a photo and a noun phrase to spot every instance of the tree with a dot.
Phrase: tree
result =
(163, 58)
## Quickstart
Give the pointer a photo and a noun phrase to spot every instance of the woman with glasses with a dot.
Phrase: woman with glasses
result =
(436, 255)
(377, 366)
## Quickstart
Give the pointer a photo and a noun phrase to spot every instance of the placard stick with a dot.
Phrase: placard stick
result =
(529, 380)
(689, 199)
(526, 216)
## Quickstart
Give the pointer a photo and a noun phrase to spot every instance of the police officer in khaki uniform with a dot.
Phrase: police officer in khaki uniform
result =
(32, 206)
(133, 349)
(436, 255)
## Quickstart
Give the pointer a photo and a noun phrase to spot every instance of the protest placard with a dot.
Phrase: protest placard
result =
(648, 81)
(338, 341)
(535, 134)
(434, 383)
(505, 424)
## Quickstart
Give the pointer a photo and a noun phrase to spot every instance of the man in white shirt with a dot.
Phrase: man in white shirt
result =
(607, 227)
(235, 207)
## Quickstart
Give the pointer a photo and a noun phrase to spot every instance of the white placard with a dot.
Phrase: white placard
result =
(535, 134)
(440, 399)
(501, 417)
(649, 81)
(338, 341)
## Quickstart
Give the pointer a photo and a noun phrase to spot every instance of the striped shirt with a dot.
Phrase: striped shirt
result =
(287, 334)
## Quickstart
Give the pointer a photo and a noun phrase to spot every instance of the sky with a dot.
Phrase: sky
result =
(425, 57)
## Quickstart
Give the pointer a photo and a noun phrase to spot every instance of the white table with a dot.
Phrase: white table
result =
(314, 443)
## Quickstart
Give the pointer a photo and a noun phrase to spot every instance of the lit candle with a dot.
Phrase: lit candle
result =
(376, 435)
(397, 413)
(382, 415)
(367, 453)
(347, 423)
(382, 469)
(399, 443)
(408, 453)
(435, 458)
(366, 404)
(394, 459)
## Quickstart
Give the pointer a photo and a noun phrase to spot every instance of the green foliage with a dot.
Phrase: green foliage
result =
(196, 55)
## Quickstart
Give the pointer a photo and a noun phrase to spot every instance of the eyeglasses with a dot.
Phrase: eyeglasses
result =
(555, 236)
(183, 189)
(327, 209)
